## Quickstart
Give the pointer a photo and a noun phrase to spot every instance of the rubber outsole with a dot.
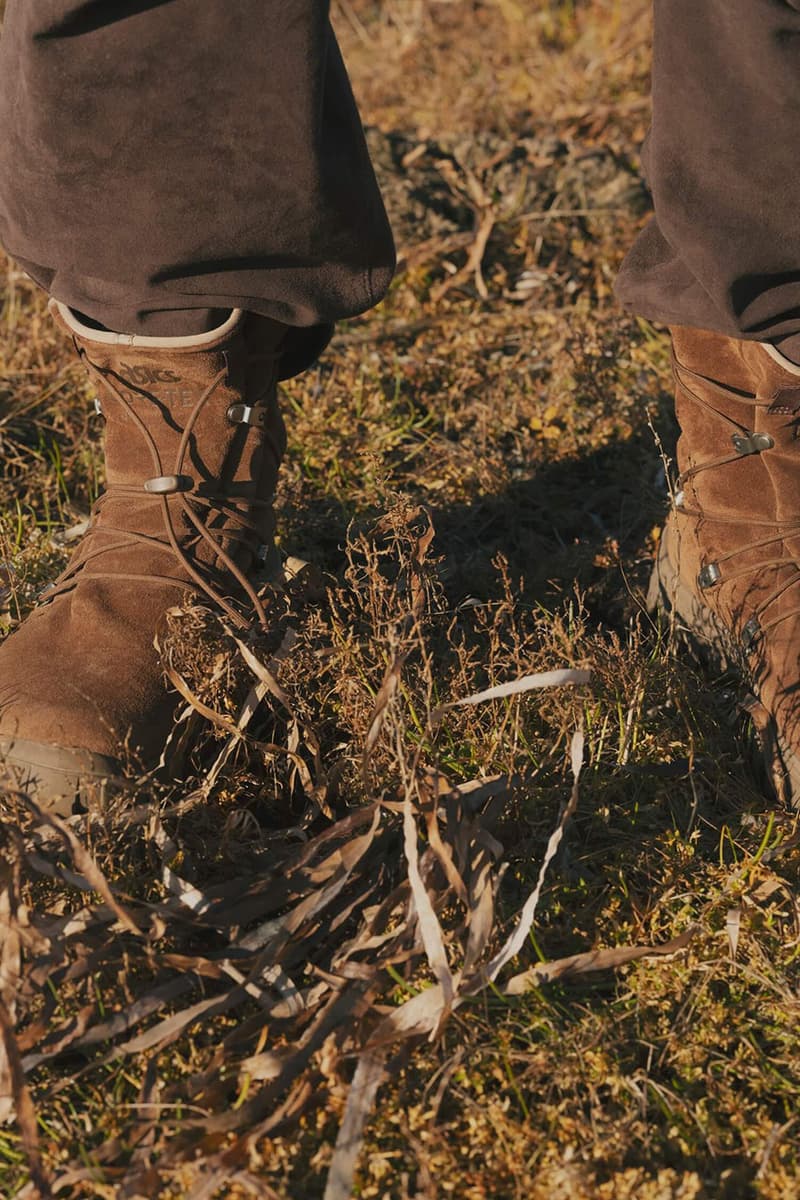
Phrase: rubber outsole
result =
(58, 777)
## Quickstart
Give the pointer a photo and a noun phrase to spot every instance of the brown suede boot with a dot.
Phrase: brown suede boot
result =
(193, 442)
(729, 559)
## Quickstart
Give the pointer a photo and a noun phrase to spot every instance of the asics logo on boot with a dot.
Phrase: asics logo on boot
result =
(141, 374)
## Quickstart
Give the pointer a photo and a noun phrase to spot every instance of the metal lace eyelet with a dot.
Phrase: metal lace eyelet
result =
(709, 576)
(751, 443)
(98, 408)
(247, 414)
(750, 632)
(239, 414)
(166, 485)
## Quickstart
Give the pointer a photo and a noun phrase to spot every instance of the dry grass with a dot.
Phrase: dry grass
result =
(504, 394)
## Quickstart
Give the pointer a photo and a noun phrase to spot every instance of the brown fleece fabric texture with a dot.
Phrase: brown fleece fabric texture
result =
(170, 154)
(166, 155)
(742, 513)
(723, 250)
(82, 671)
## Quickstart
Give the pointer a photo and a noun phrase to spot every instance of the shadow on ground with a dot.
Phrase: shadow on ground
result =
(586, 520)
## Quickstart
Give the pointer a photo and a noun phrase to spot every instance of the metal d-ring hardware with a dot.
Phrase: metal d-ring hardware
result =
(247, 414)
(750, 632)
(751, 443)
(168, 485)
(709, 576)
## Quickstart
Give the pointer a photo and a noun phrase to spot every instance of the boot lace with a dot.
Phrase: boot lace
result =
(178, 495)
(776, 533)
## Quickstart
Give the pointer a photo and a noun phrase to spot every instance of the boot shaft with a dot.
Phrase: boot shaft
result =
(193, 442)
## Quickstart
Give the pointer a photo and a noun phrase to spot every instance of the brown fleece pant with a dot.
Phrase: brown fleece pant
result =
(723, 250)
(165, 155)
(162, 155)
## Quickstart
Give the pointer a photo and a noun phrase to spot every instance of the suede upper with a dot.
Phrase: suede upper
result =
(738, 510)
(82, 671)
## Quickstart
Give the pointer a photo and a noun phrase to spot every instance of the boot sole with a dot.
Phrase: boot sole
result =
(57, 777)
(711, 643)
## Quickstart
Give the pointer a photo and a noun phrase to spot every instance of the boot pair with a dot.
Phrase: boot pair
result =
(729, 557)
(193, 442)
